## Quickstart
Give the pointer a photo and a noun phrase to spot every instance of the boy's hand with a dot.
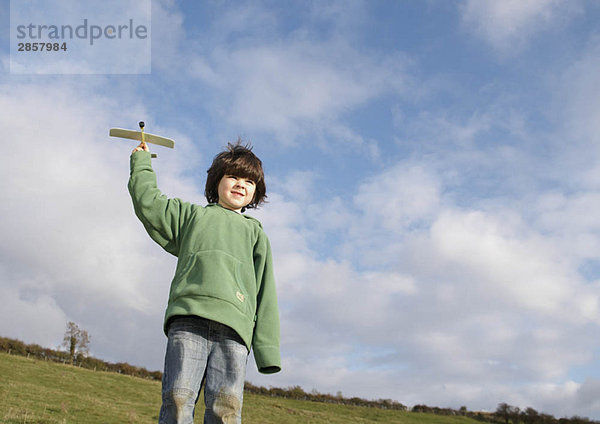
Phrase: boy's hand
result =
(142, 146)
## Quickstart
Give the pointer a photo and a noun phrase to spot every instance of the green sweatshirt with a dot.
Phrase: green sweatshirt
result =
(224, 268)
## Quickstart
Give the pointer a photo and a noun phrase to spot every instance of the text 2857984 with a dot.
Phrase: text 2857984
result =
(42, 47)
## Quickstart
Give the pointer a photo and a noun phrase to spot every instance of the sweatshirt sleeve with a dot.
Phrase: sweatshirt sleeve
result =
(162, 217)
(265, 342)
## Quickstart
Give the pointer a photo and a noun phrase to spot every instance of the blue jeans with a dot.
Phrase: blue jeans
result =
(201, 351)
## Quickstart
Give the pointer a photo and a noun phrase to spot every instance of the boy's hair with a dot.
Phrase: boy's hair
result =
(236, 160)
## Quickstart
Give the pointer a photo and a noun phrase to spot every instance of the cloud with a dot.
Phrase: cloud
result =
(494, 252)
(23, 310)
(167, 36)
(470, 295)
(587, 395)
(509, 26)
(95, 35)
(50, 199)
(294, 87)
(400, 196)
(291, 83)
(72, 247)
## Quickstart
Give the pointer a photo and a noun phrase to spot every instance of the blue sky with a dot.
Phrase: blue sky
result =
(432, 172)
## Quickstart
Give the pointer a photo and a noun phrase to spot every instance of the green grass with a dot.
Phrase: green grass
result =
(35, 391)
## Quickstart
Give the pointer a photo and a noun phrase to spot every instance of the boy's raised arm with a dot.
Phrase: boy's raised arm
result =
(162, 217)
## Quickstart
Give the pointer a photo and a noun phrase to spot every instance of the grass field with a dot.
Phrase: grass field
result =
(34, 391)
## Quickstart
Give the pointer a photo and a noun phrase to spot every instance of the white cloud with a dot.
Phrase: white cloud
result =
(567, 217)
(167, 37)
(264, 78)
(90, 49)
(284, 88)
(587, 396)
(30, 318)
(471, 295)
(509, 25)
(523, 269)
(73, 248)
(398, 197)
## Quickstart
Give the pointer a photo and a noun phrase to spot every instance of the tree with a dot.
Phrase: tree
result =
(76, 341)
(530, 415)
(508, 413)
(547, 419)
(516, 415)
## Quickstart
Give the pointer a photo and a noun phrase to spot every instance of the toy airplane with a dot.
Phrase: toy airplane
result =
(142, 136)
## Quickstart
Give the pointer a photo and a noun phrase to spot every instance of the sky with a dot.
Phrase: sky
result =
(433, 183)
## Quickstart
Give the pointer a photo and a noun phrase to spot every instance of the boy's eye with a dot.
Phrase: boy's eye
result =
(233, 177)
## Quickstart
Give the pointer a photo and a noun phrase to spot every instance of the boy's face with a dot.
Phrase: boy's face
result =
(235, 192)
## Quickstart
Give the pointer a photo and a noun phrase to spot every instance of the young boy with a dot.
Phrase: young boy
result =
(222, 300)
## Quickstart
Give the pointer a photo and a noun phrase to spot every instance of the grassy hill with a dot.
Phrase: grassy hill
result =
(44, 392)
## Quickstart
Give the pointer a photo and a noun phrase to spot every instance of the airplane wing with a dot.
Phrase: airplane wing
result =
(137, 135)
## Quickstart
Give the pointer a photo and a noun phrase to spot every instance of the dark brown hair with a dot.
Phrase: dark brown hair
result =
(237, 159)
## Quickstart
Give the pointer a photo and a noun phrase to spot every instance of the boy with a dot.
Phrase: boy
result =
(222, 299)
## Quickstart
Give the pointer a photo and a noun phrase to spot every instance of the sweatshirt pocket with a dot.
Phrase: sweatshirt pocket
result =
(212, 273)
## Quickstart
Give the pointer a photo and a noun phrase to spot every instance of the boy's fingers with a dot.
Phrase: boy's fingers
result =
(140, 147)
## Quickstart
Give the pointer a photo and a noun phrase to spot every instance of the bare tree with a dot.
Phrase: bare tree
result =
(76, 340)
